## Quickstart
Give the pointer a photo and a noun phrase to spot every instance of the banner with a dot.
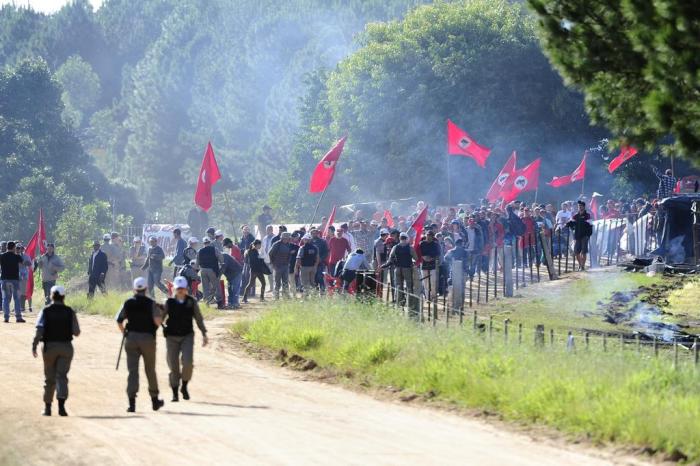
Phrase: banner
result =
(164, 234)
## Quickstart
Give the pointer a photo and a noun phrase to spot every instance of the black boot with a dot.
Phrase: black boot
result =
(62, 407)
(47, 409)
(176, 398)
(132, 405)
(157, 404)
(185, 393)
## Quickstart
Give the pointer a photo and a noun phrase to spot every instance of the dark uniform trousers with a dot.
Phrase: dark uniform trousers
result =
(180, 358)
(57, 358)
(139, 345)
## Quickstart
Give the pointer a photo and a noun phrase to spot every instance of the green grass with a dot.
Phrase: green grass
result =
(108, 305)
(569, 303)
(685, 301)
(619, 396)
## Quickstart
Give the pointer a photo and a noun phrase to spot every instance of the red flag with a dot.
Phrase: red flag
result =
(460, 143)
(417, 226)
(577, 175)
(506, 172)
(208, 176)
(36, 247)
(626, 153)
(389, 219)
(324, 171)
(525, 179)
(677, 189)
(329, 222)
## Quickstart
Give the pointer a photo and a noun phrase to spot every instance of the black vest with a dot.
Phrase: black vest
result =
(309, 254)
(403, 256)
(139, 314)
(58, 323)
(180, 317)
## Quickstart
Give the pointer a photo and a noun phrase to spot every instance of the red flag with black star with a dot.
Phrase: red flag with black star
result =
(208, 176)
(460, 143)
(626, 153)
(325, 170)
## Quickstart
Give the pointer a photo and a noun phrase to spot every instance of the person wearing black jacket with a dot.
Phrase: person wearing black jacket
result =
(56, 326)
(583, 230)
(233, 271)
(257, 269)
(97, 270)
(178, 315)
(143, 319)
(208, 262)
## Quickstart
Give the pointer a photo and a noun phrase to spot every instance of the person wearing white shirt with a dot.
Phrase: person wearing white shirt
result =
(348, 236)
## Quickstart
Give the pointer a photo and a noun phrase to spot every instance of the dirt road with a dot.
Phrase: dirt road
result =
(242, 412)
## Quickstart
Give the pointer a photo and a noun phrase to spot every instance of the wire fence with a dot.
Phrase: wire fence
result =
(539, 257)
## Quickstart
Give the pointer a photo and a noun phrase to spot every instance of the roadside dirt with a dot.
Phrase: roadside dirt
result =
(243, 411)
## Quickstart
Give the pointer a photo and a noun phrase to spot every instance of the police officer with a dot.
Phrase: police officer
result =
(56, 326)
(143, 319)
(178, 315)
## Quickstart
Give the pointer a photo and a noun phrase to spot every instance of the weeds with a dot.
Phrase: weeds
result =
(619, 396)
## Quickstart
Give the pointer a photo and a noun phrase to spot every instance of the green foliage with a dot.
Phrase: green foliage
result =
(77, 228)
(623, 397)
(636, 62)
(81, 88)
(476, 62)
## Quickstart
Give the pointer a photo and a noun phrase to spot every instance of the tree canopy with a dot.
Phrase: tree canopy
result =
(476, 62)
(636, 61)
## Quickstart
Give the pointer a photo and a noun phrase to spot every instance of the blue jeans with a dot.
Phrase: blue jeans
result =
(234, 289)
(10, 290)
(154, 281)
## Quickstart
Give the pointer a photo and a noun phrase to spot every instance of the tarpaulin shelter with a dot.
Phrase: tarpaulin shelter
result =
(677, 241)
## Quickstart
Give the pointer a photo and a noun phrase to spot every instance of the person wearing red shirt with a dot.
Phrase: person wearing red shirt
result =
(339, 247)
(527, 242)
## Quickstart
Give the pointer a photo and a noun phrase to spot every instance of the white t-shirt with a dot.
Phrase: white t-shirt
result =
(563, 217)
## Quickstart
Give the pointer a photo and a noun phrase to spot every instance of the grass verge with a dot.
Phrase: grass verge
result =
(108, 305)
(617, 396)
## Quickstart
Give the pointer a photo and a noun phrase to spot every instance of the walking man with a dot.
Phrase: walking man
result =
(154, 265)
(430, 251)
(97, 270)
(56, 326)
(233, 271)
(137, 257)
(583, 230)
(306, 264)
(279, 259)
(402, 257)
(142, 321)
(209, 268)
(179, 258)
(50, 265)
(10, 263)
(178, 315)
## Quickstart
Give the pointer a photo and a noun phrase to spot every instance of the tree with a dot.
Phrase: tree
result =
(81, 89)
(475, 62)
(78, 227)
(637, 63)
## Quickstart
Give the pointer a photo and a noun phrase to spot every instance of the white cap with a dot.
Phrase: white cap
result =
(137, 239)
(218, 233)
(58, 289)
(384, 231)
(193, 240)
(180, 282)
(306, 236)
(106, 236)
(207, 240)
(140, 284)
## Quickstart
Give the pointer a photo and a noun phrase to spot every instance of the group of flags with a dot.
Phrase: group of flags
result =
(508, 185)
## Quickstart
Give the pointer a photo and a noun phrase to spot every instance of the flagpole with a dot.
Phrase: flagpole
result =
(323, 193)
(583, 184)
(228, 208)
(449, 183)
(536, 191)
